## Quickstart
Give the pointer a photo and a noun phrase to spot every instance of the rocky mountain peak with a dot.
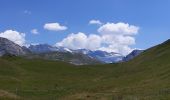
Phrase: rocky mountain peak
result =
(9, 47)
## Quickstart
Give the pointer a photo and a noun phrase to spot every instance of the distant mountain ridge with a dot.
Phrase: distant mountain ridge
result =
(132, 55)
(45, 48)
(106, 57)
(102, 56)
(79, 56)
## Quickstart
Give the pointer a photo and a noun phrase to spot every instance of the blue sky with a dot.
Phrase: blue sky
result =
(151, 16)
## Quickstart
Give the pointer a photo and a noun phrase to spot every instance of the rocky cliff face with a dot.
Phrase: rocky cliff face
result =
(9, 47)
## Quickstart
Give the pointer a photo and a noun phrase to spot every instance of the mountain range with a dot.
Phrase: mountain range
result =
(106, 57)
(78, 57)
(103, 56)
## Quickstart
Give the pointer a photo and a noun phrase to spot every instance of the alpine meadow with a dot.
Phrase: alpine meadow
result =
(84, 50)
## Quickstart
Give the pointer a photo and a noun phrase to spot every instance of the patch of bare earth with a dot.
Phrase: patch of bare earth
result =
(5, 94)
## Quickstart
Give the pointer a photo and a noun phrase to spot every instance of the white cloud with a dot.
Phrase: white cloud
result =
(80, 40)
(97, 22)
(54, 27)
(118, 28)
(118, 37)
(112, 38)
(122, 49)
(94, 42)
(74, 41)
(34, 31)
(107, 43)
(16, 37)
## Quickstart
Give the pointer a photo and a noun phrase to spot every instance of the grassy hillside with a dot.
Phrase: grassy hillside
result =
(73, 58)
(147, 77)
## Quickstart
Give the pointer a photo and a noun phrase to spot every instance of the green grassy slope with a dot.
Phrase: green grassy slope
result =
(73, 58)
(147, 77)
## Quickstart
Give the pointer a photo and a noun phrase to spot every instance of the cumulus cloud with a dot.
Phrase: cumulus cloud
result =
(118, 29)
(54, 27)
(117, 43)
(118, 39)
(80, 41)
(94, 42)
(122, 49)
(112, 37)
(34, 31)
(16, 37)
(96, 22)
